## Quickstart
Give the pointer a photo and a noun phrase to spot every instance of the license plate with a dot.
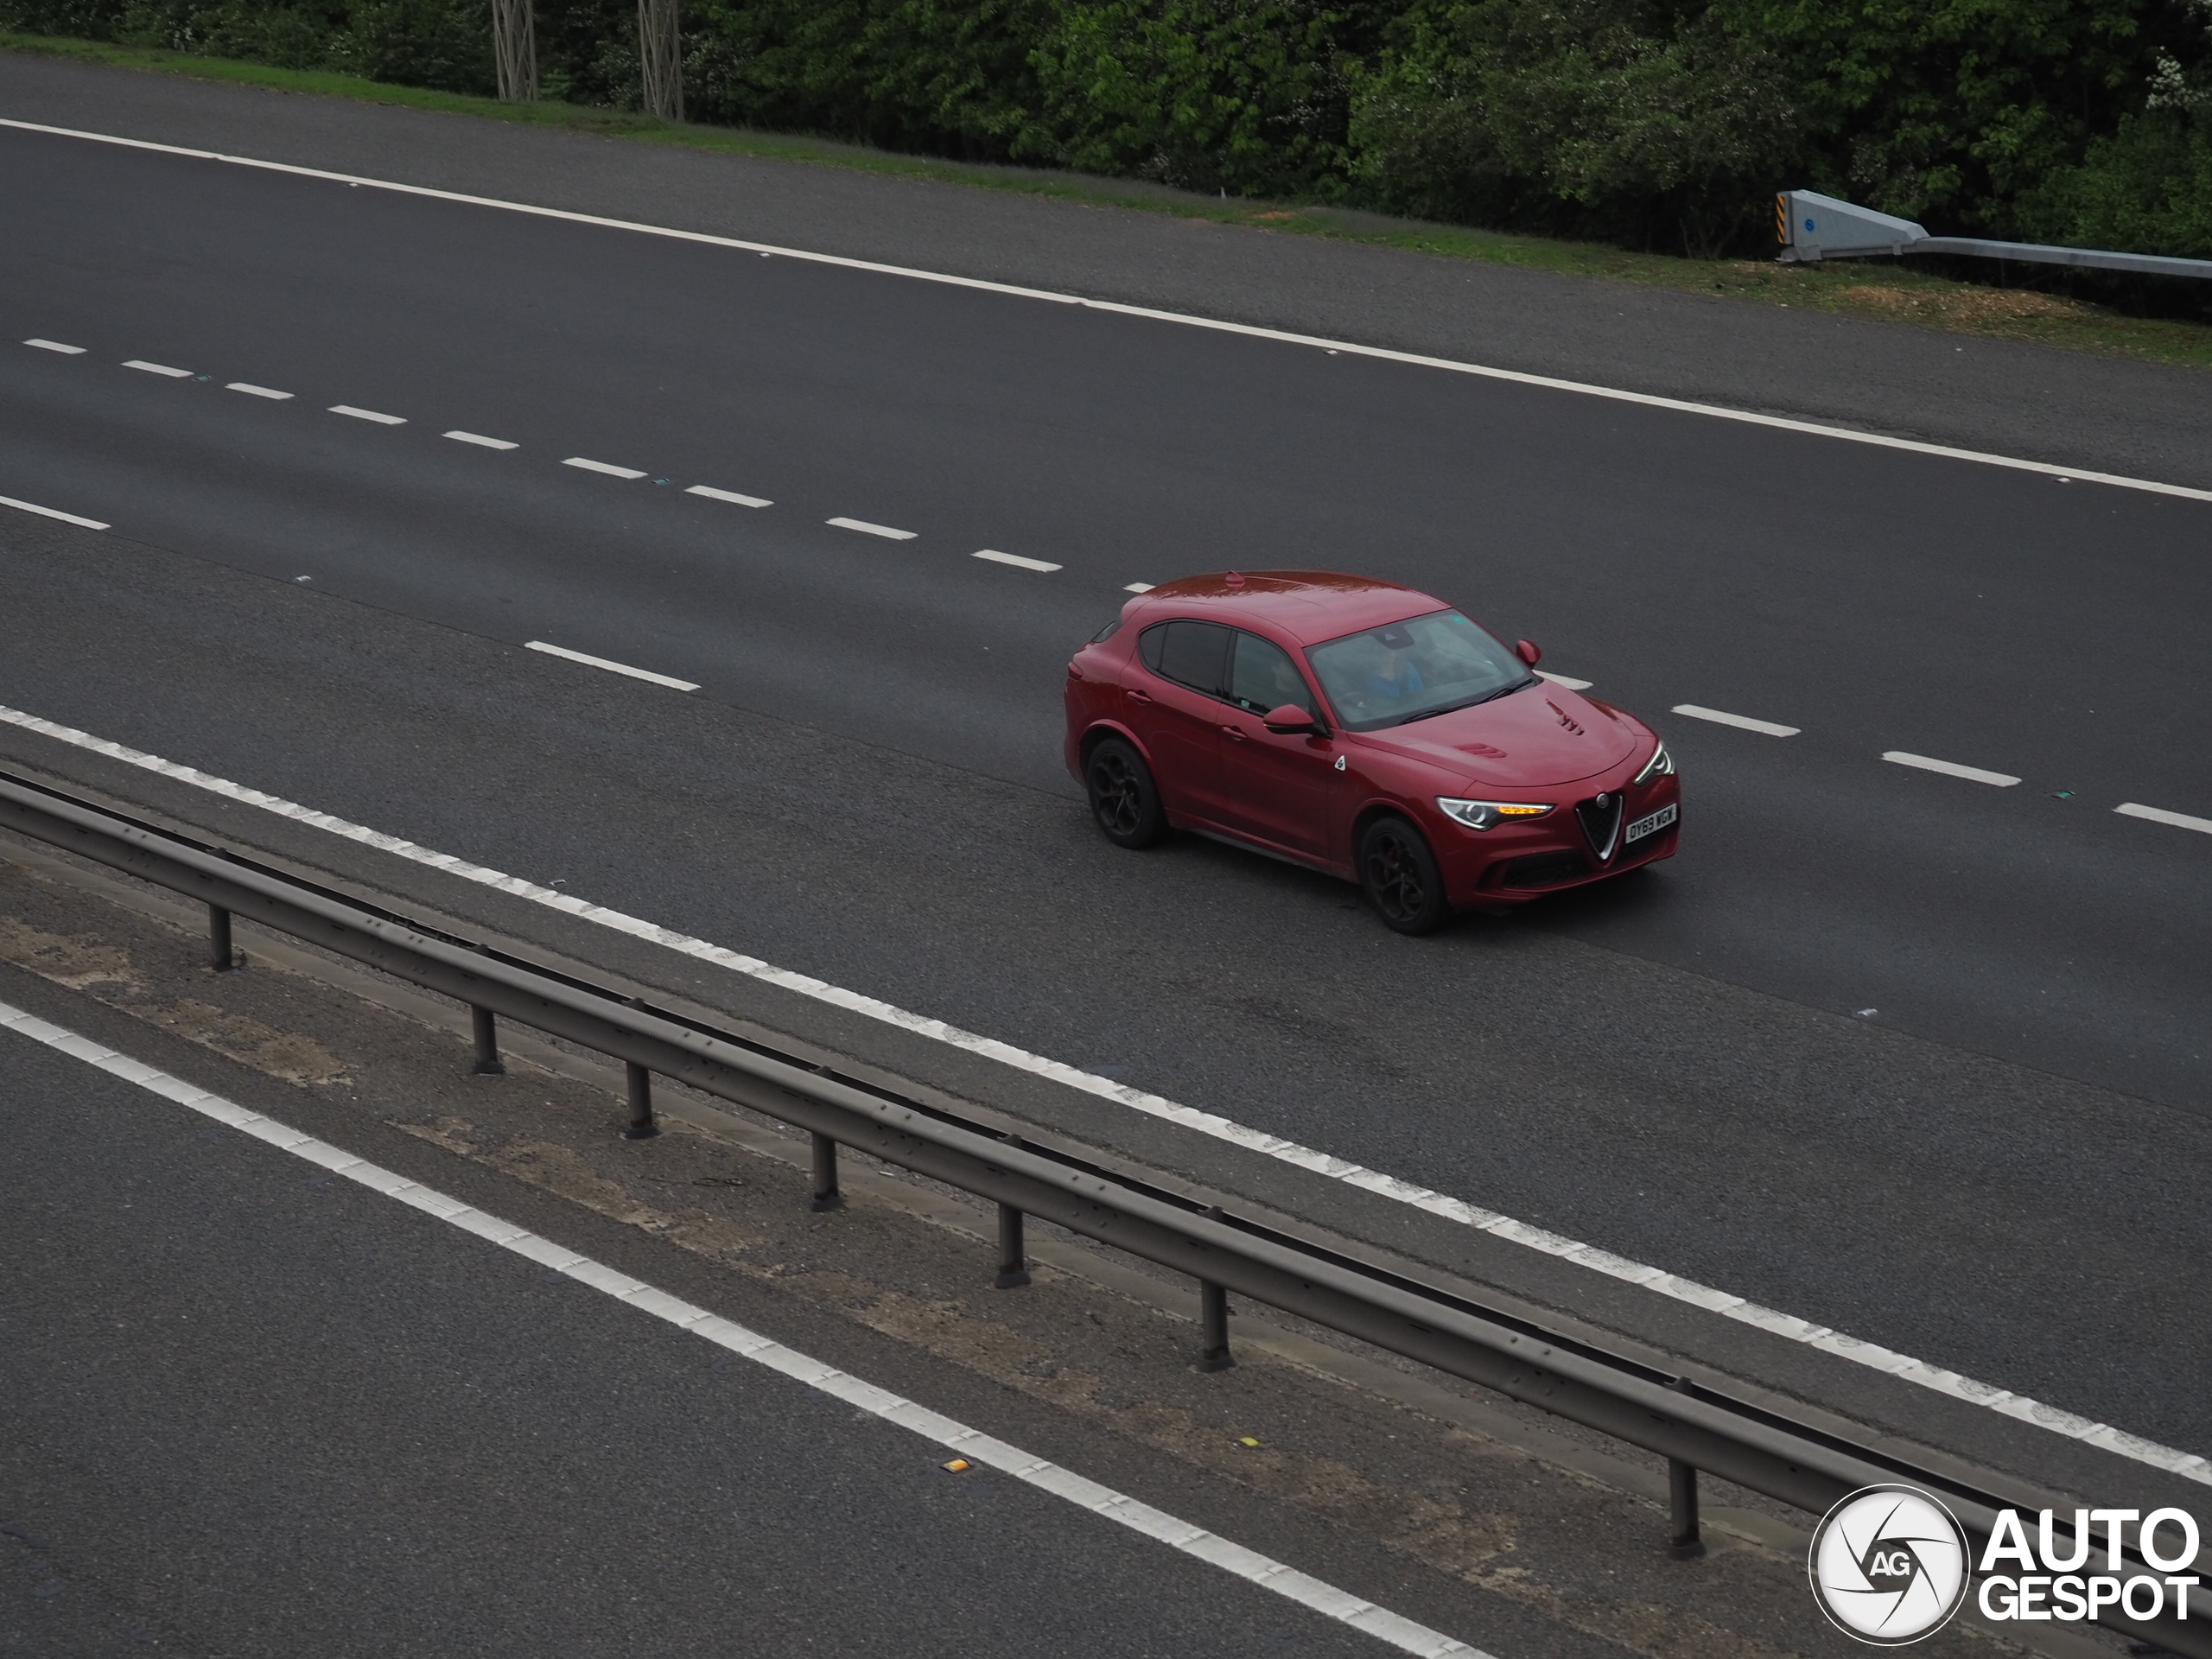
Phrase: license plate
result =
(1659, 820)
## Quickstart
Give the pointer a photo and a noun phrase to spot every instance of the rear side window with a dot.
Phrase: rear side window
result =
(1195, 654)
(1261, 676)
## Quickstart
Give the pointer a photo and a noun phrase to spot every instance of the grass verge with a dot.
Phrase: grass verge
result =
(1889, 292)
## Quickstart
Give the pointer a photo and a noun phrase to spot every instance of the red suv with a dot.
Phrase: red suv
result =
(1365, 729)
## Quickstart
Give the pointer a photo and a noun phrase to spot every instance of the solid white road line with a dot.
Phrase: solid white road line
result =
(602, 467)
(50, 512)
(56, 346)
(252, 390)
(2159, 815)
(1743, 722)
(964, 1441)
(1138, 588)
(713, 494)
(612, 668)
(1514, 376)
(368, 415)
(866, 529)
(1950, 768)
(1655, 1280)
(1561, 679)
(1016, 560)
(482, 442)
(159, 368)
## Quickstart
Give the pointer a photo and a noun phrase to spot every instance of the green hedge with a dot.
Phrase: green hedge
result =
(1659, 124)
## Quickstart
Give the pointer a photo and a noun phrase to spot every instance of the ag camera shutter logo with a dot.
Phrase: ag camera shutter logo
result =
(1889, 1566)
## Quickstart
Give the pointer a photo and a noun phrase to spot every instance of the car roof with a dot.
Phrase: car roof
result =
(1308, 606)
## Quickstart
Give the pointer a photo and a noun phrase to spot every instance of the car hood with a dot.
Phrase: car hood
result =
(1539, 736)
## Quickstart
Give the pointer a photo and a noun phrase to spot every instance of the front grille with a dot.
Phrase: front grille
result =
(1544, 869)
(1601, 822)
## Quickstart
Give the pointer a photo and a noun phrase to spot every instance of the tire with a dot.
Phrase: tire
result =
(1124, 800)
(1399, 876)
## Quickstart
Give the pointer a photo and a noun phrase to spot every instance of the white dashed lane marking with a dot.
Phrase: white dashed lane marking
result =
(866, 529)
(2159, 815)
(1785, 1327)
(970, 1443)
(50, 512)
(1742, 722)
(613, 668)
(1950, 768)
(1212, 324)
(1016, 560)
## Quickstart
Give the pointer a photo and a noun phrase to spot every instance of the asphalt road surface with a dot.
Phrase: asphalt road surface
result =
(255, 1408)
(1916, 1055)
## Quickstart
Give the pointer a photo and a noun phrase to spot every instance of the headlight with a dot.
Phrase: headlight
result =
(1661, 765)
(1488, 815)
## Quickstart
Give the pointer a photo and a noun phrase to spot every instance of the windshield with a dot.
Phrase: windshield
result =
(1387, 676)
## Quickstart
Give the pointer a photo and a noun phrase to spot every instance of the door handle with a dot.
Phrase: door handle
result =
(1136, 696)
(1235, 732)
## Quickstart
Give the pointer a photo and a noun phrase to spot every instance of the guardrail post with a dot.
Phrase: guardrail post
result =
(641, 1126)
(220, 957)
(826, 1195)
(1686, 1542)
(487, 1043)
(1213, 1327)
(1013, 1260)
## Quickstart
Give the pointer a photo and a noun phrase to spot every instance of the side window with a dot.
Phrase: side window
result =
(1195, 654)
(1261, 676)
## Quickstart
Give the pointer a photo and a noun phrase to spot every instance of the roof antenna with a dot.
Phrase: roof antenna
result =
(1234, 579)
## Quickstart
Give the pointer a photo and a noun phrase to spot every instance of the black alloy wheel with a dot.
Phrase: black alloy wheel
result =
(1400, 876)
(1122, 796)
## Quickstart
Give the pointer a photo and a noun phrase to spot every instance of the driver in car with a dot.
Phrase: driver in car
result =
(1396, 677)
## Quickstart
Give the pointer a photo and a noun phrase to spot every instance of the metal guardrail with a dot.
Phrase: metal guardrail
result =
(1695, 1428)
(1812, 227)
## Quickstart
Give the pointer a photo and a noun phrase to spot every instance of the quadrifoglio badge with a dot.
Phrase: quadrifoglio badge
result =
(1891, 1565)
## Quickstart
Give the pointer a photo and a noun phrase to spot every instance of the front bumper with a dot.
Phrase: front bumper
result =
(1516, 863)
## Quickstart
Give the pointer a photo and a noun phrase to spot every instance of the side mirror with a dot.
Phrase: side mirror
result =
(1527, 652)
(1288, 721)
